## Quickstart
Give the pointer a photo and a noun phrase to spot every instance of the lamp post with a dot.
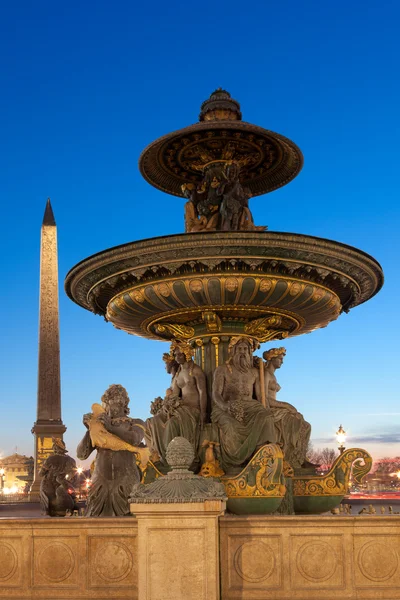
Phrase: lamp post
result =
(341, 438)
(79, 470)
(2, 472)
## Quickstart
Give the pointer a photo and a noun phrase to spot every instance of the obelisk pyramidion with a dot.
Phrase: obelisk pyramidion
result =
(48, 422)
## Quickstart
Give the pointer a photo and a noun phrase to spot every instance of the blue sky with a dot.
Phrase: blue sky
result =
(85, 87)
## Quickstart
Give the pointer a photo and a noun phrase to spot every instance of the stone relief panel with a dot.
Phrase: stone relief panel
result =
(316, 561)
(56, 561)
(377, 560)
(68, 558)
(186, 580)
(10, 562)
(257, 562)
(112, 561)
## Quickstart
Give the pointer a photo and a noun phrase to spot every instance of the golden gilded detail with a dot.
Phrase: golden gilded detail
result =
(137, 295)
(231, 284)
(221, 115)
(211, 466)
(267, 328)
(175, 330)
(101, 438)
(215, 340)
(212, 321)
(163, 289)
(261, 478)
(266, 285)
(195, 285)
(287, 469)
(275, 352)
(336, 481)
(184, 347)
(145, 319)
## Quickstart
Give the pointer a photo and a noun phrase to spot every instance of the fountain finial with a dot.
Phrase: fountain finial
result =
(220, 106)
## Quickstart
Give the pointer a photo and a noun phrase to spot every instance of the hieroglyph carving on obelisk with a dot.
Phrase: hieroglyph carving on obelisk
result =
(48, 422)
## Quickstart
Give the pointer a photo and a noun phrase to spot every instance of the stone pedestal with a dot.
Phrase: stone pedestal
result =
(178, 550)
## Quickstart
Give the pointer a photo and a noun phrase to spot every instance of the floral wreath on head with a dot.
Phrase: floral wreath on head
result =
(273, 352)
(184, 347)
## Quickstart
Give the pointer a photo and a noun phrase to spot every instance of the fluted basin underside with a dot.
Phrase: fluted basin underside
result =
(267, 285)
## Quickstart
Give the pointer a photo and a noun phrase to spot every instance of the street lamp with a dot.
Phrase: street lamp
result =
(79, 470)
(2, 472)
(341, 438)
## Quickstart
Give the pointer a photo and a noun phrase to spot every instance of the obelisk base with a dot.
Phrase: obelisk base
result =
(178, 550)
(44, 431)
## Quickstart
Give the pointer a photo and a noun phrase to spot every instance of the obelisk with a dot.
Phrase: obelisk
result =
(48, 422)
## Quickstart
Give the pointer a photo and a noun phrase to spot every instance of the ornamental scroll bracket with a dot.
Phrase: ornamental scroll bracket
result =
(266, 329)
(174, 330)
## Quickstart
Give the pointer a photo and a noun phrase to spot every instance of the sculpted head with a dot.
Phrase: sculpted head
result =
(275, 356)
(115, 401)
(171, 365)
(241, 351)
(58, 446)
(181, 352)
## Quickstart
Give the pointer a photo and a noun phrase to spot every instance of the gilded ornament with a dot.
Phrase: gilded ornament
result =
(211, 466)
(184, 347)
(336, 481)
(266, 328)
(295, 288)
(317, 295)
(265, 285)
(231, 284)
(212, 321)
(164, 290)
(175, 330)
(262, 477)
(137, 295)
(196, 285)
(274, 352)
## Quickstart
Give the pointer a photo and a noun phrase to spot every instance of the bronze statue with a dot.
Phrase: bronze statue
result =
(244, 423)
(293, 432)
(234, 199)
(54, 497)
(220, 202)
(183, 410)
(116, 438)
(199, 216)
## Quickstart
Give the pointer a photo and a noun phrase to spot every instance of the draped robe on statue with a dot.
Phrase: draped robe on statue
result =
(240, 438)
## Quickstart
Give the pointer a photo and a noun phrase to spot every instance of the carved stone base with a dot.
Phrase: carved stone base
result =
(178, 552)
(261, 557)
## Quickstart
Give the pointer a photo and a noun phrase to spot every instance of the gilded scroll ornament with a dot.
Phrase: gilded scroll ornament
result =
(262, 477)
(266, 328)
(175, 330)
(336, 481)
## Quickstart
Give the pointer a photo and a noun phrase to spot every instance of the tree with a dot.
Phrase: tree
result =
(325, 457)
(386, 465)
